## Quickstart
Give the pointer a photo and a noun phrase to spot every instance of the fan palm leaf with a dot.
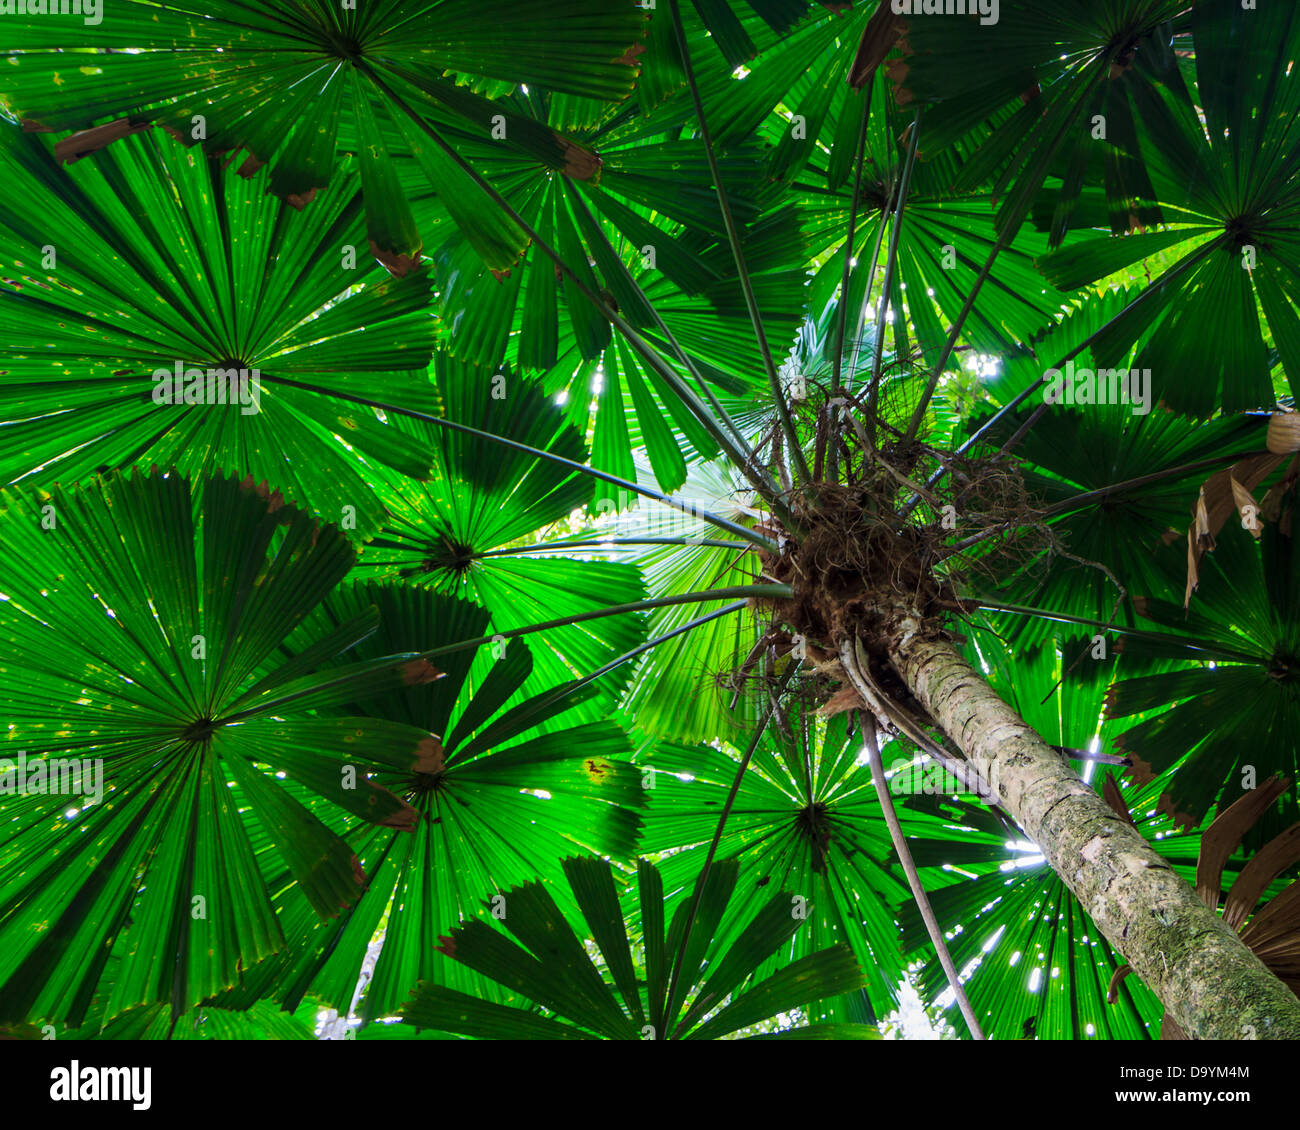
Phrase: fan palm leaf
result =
(1230, 173)
(547, 963)
(138, 640)
(807, 819)
(1232, 719)
(468, 529)
(161, 266)
(506, 792)
(281, 82)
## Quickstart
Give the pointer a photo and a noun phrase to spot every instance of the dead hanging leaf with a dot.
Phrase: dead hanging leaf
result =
(1283, 439)
(87, 141)
(846, 698)
(1246, 507)
(1218, 501)
(1110, 791)
(1267, 864)
(397, 264)
(1284, 433)
(429, 756)
(1223, 836)
(1274, 933)
(879, 38)
(419, 671)
(1195, 551)
(1271, 509)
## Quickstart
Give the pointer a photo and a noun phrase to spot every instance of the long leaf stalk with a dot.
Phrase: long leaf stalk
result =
(580, 468)
(918, 416)
(751, 469)
(861, 322)
(703, 877)
(765, 592)
(1001, 414)
(833, 454)
(1087, 498)
(1189, 643)
(850, 661)
(648, 353)
(842, 312)
(891, 263)
(600, 543)
(539, 704)
(737, 251)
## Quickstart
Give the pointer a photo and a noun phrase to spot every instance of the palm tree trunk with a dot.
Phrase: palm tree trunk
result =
(1209, 982)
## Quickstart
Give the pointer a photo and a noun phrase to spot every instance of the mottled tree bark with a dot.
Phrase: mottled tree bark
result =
(1210, 983)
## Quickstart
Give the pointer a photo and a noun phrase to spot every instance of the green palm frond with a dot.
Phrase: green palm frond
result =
(1055, 72)
(468, 530)
(807, 819)
(1229, 172)
(138, 640)
(501, 794)
(548, 964)
(285, 83)
(1233, 719)
(163, 265)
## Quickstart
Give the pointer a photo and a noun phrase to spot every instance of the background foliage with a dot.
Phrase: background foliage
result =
(419, 699)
